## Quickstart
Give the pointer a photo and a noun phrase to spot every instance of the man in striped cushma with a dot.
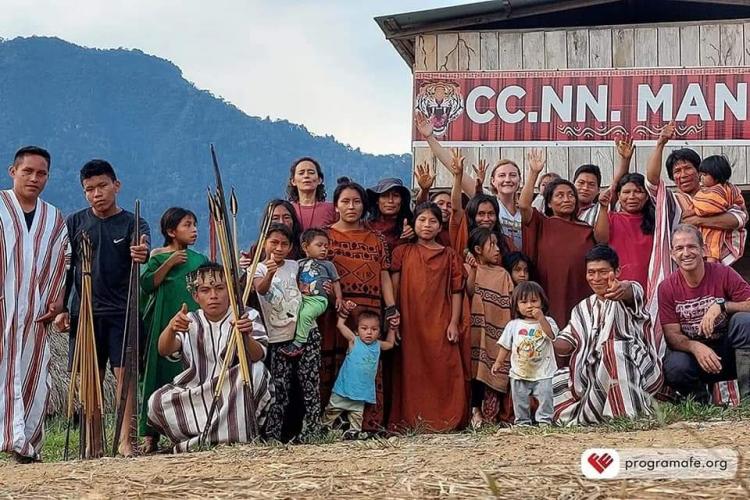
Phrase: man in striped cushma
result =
(614, 367)
(180, 410)
(33, 249)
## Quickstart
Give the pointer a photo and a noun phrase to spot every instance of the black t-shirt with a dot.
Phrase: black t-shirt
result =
(29, 216)
(110, 267)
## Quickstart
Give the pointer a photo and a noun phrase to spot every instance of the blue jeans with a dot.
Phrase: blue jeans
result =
(541, 390)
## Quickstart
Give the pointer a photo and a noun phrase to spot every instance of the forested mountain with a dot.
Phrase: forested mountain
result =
(138, 112)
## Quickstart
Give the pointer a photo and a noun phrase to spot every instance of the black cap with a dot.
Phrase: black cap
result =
(387, 184)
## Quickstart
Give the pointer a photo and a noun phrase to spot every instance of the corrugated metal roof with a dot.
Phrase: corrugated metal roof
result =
(401, 29)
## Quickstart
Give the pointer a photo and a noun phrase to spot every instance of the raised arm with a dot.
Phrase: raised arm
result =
(425, 129)
(425, 179)
(457, 169)
(344, 330)
(481, 174)
(601, 226)
(625, 150)
(653, 167)
(536, 165)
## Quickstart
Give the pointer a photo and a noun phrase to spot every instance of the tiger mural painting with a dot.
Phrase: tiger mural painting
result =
(441, 103)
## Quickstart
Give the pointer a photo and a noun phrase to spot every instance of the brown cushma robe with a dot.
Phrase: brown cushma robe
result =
(557, 248)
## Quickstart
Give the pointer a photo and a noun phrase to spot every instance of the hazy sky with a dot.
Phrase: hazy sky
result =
(322, 63)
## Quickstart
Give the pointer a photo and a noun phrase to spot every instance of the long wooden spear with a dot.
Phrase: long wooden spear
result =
(211, 231)
(234, 209)
(236, 345)
(130, 343)
(256, 256)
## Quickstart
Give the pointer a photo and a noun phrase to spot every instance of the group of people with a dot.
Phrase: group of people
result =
(552, 303)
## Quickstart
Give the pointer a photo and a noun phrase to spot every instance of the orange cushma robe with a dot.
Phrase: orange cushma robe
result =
(430, 374)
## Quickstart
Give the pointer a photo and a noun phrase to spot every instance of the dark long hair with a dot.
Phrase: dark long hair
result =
(477, 238)
(404, 211)
(649, 211)
(513, 258)
(429, 206)
(550, 190)
(291, 190)
(471, 213)
(296, 251)
(343, 183)
(171, 218)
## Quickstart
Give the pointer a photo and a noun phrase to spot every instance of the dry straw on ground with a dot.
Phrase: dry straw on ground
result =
(506, 464)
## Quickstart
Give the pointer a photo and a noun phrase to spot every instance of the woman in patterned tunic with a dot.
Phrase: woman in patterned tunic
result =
(362, 261)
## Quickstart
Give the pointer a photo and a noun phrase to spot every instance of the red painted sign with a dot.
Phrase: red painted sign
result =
(584, 107)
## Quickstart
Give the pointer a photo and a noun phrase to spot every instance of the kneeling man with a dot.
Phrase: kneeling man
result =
(614, 367)
(179, 410)
(703, 308)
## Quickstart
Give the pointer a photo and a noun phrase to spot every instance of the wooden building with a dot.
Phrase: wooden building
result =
(562, 34)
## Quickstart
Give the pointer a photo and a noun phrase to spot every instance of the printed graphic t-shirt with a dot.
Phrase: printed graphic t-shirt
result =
(280, 304)
(314, 273)
(686, 306)
(531, 355)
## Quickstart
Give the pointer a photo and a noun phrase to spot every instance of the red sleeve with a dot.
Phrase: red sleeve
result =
(458, 272)
(736, 289)
(667, 313)
(459, 233)
(530, 234)
(398, 258)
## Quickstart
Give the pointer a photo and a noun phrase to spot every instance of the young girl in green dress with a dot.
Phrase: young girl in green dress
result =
(164, 286)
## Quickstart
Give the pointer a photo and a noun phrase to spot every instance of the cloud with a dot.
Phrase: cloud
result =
(324, 64)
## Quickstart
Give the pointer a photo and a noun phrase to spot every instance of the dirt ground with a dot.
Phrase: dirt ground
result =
(505, 464)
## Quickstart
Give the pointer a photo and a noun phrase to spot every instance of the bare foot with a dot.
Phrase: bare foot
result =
(125, 450)
(477, 420)
(150, 444)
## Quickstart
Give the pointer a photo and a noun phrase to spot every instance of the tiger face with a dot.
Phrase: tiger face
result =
(441, 103)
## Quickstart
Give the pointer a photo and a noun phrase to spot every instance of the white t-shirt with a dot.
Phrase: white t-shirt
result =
(282, 301)
(531, 354)
(511, 225)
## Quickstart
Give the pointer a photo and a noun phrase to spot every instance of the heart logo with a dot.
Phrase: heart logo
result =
(600, 462)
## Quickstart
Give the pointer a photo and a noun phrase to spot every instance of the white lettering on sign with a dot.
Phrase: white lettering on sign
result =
(725, 99)
(693, 103)
(502, 104)
(586, 100)
(563, 107)
(581, 104)
(662, 99)
(471, 104)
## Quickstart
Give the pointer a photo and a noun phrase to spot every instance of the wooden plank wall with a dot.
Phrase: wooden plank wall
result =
(669, 45)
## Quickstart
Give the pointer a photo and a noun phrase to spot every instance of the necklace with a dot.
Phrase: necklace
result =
(312, 216)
